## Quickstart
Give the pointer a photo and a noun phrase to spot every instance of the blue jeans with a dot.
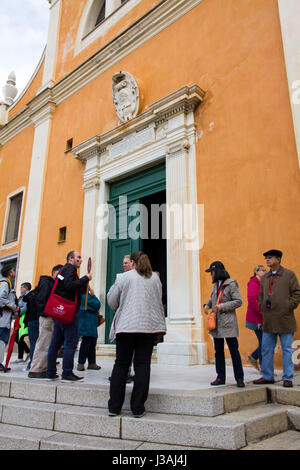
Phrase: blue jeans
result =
(33, 333)
(257, 353)
(66, 335)
(268, 346)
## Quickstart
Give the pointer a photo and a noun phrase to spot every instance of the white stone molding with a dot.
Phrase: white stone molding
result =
(166, 131)
(7, 246)
(42, 119)
(111, 6)
(289, 12)
(87, 34)
(52, 43)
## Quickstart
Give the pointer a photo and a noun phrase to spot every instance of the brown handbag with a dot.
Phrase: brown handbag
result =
(212, 316)
(211, 321)
(100, 319)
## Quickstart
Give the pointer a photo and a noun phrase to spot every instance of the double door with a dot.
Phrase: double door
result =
(130, 225)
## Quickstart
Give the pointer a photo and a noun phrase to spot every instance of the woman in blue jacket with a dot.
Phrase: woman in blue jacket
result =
(88, 330)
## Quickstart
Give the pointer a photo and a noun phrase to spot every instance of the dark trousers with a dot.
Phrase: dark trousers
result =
(233, 346)
(87, 350)
(66, 335)
(257, 353)
(33, 333)
(141, 346)
(22, 347)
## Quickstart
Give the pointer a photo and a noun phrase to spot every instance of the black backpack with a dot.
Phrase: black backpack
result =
(32, 308)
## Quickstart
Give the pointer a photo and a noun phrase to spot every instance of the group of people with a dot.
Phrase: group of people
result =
(272, 298)
(47, 336)
(139, 322)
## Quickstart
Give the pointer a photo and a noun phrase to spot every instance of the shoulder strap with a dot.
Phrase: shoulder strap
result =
(56, 282)
(7, 282)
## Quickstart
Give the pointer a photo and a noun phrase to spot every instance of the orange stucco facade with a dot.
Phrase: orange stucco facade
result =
(247, 169)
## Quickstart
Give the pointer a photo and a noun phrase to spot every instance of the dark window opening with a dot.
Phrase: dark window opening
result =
(69, 145)
(13, 222)
(62, 235)
(101, 15)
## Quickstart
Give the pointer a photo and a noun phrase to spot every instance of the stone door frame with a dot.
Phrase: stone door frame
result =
(166, 131)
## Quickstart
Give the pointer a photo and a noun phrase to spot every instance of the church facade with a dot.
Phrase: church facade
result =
(168, 126)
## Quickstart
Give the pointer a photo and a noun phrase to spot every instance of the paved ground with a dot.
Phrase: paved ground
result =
(162, 376)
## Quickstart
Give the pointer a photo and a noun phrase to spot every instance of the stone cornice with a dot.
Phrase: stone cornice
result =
(184, 100)
(140, 32)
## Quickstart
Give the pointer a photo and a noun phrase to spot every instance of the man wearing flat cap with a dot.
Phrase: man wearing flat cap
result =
(278, 298)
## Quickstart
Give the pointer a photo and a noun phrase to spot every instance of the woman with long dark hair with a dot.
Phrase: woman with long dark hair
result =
(137, 298)
(225, 298)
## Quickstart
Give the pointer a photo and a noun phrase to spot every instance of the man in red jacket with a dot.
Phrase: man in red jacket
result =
(69, 285)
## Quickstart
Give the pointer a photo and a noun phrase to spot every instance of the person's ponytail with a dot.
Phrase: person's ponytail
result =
(143, 266)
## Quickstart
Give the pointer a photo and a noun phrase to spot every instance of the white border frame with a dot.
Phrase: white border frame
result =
(7, 246)
(166, 131)
(84, 39)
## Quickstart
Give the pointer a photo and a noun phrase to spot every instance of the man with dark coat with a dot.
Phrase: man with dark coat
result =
(278, 298)
(69, 286)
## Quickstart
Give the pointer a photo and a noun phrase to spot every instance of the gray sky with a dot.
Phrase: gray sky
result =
(23, 36)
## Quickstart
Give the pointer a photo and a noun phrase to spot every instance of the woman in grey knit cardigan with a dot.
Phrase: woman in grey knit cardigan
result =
(137, 298)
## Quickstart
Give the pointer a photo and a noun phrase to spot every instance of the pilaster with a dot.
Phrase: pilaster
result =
(52, 44)
(42, 119)
(289, 12)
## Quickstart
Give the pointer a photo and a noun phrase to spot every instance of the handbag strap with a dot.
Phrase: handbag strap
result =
(220, 294)
(56, 282)
(55, 285)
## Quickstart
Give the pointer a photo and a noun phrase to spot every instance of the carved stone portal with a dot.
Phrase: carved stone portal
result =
(126, 96)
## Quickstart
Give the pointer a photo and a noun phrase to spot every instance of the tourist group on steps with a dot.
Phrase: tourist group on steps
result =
(50, 320)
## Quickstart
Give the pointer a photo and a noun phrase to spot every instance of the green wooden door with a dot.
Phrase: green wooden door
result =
(125, 222)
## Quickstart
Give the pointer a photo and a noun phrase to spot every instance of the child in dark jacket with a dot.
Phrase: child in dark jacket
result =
(88, 330)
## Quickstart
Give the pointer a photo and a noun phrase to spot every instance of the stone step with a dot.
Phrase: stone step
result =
(289, 440)
(14, 437)
(210, 402)
(261, 421)
(230, 431)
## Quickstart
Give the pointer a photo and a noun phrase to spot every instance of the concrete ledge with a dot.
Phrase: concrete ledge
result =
(286, 396)
(85, 395)
(261, 421)
(21, 438)
(29, 390)
(65, 441)
(207, 403)
(28, 413)
(4, 388)
(203, 403)
(236, 399)
(89, 421)
(294, 418)
(289, 440)
(185, 430)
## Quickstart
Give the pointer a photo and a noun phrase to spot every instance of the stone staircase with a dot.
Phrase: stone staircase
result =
(38, 414)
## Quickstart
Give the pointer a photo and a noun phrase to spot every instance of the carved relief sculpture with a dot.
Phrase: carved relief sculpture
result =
(126, 96)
